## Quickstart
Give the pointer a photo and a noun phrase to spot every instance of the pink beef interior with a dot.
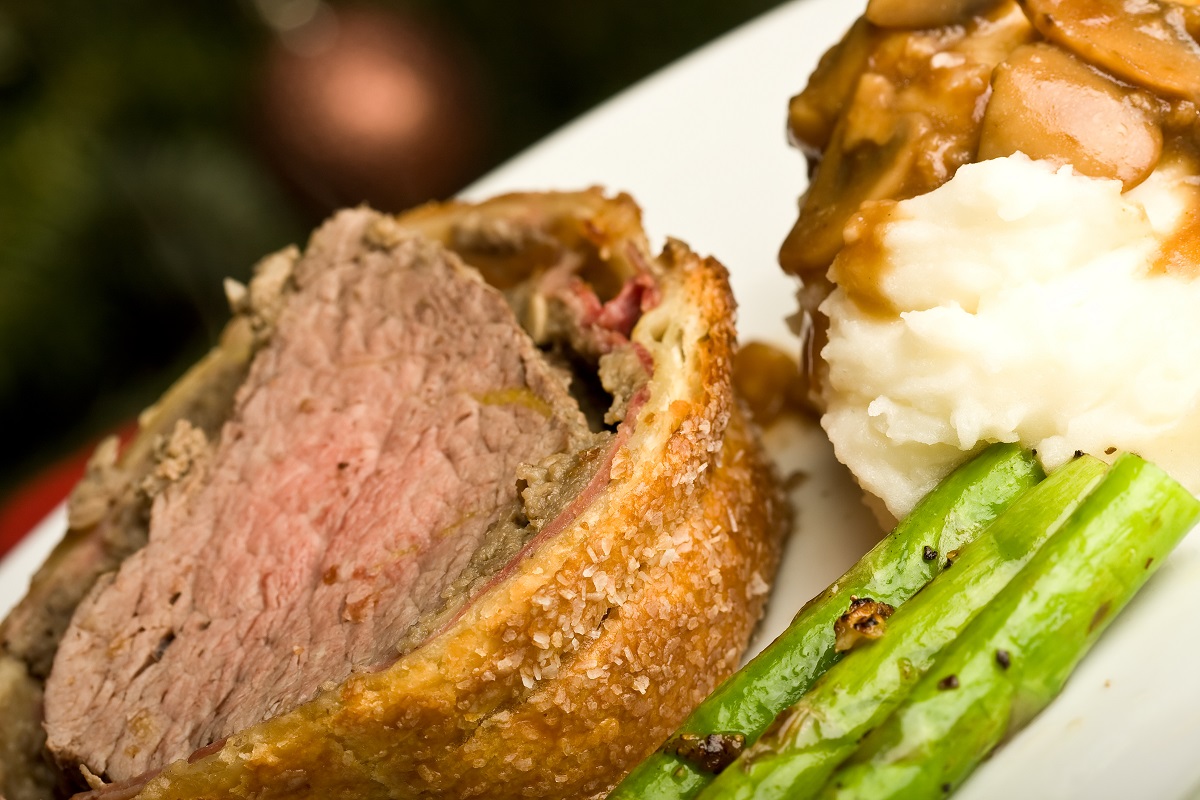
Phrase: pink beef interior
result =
(373, 443)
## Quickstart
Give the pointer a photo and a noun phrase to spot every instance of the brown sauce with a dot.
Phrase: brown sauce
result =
(1046, 102)
(863, 261)
(770, 382)
(1180, 252)
(903, 110)
(915, 91)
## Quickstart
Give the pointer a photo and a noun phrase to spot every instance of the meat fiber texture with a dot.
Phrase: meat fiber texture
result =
(567, 665)
(372, 444)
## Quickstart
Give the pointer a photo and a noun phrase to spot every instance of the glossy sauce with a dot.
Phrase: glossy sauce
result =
(770, 382)
(864, 261)
(1108, 86)
(1180, 252)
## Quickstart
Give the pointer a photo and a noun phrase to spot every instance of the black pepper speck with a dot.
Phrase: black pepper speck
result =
(1003, 659)
(948, 682)
(712, 753)
(929, 554)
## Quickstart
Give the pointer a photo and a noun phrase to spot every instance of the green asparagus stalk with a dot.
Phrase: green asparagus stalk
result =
(810, 739)
(954, 513)
(1017, 654)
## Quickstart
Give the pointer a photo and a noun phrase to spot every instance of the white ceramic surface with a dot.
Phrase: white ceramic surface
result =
(701, 146)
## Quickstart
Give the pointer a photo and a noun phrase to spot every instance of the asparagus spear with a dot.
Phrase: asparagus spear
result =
(894, 570)
(810, 739)
(1017, 654)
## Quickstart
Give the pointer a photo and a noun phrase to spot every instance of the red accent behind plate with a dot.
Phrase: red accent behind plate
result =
(29, 503)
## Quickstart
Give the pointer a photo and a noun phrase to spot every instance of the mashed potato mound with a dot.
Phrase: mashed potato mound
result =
(1017, 302)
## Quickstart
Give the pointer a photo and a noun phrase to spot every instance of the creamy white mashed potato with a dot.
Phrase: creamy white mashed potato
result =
(1020, 302)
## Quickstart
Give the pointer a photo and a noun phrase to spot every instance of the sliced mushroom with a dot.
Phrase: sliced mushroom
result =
(1048, 104)
(899, 135)
(927, 14)
(1146, 42)
(851, 175)
(907, 107)
(813, 113)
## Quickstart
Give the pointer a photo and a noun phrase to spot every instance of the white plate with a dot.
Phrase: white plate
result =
(701, 146)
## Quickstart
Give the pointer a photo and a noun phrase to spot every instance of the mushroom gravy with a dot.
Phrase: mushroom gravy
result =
(915, 90)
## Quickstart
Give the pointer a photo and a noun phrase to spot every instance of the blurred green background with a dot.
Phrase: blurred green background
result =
(149, 149)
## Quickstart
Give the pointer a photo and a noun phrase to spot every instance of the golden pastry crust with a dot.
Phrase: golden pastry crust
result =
(617, 677)
(565, 674)
(579, 661)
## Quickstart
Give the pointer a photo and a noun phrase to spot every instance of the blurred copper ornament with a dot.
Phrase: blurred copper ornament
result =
(362, 103)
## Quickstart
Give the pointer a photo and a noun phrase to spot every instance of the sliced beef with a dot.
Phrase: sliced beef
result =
(108, 515)
(375, 442)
